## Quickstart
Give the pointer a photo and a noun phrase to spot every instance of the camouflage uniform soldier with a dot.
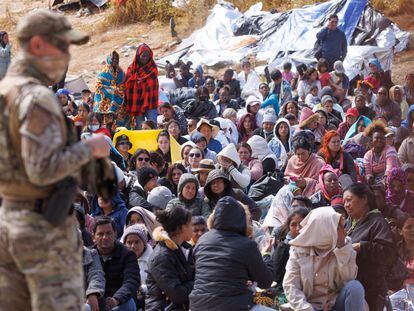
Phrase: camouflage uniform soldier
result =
(40, 264)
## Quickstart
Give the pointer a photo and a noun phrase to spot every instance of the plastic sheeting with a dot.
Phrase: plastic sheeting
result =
(229, 35)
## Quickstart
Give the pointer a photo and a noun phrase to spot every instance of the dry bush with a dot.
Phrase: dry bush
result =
(394, 7)
(7, 19)
(132, 11)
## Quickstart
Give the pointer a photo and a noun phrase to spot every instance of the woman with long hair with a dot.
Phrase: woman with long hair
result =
(333, 154)
(246, 126)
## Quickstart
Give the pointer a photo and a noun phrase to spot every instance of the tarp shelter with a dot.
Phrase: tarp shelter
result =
(148, 140)
(229, 35)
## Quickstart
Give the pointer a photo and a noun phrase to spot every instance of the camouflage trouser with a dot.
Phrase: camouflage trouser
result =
(40, 265)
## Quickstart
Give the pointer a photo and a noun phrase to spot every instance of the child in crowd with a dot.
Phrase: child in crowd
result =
(312, 99)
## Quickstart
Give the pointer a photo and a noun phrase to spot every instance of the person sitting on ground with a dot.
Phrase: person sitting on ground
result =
(309, 79)
(290, 107)
(187, 196)
(122, 275)
(246, 127)
(304, 165)
(280, 87)
(164, 146)
(198, 78)
(209, 131)
(384, 77)
(397, 96)
(170, 274)
(123, 145)
(140, 215)
(281, 143)
(135, 238)
(380, 158)
(205, 167)
(194, 158)
(173, 128)
(269, 99)
(147, 180)
(226, 260)
(230, 164)
(406, 249)
(261, 151)
(218, 186)
(329, 185)
(159, 197)
(312, 99)
(372, 239)
(406, 150)
(310, 121)
(255, 165)
(172, 177)
(323, 248)
(94, 280)
(201, 143)
(281, 205)
(287, 73)
(266, 131)
(224, 101)
(397, 194)
(82, 117)
(210, 84)
(249, 80)
(68, 105)
(185, 74)
(356, 133)
(199, 228)
(334, 155)
(94, 125)
(339, 81)
(158, 163)
(280, 255)
(114, 207)
(323, 72)
(168, 113)
(351, 116)
(170, 81)
(409, 88)
(360, 103)
(234, 85)
(334, 111)
(384, 107)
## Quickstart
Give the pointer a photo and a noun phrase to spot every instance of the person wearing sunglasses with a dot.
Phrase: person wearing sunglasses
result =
(386, 108)
(331, 42)
(194, 157)
(140, 159)
(123, 145)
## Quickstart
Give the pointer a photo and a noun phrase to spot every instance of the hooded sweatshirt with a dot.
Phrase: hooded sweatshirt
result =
(276, 145)
(317, 270)
(197, 206)
(261, 151)
(118, 213)
(238, 174)
(225, 259)
(147, 216)
(211, 198)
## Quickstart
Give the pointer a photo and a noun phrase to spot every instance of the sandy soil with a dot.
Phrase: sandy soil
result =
(88, 59)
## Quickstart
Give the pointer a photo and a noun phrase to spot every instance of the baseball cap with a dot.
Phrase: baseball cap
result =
(339, 67)
(352, 112)
(48, 24)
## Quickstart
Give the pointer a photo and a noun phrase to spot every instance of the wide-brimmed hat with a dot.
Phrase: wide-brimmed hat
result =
(214, 128)
(205, 166)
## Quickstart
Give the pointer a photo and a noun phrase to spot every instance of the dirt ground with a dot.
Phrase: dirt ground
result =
(88, 59)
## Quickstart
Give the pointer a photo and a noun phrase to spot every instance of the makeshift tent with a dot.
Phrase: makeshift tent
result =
(148, 140)
(229, 35)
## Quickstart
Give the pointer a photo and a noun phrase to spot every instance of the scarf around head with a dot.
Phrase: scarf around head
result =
(327, 168)
(319, 231)
(396, 174)
(141, 85)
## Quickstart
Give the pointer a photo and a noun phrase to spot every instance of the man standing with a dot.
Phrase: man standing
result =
(120, 265)
(331, 42)
(40, 263)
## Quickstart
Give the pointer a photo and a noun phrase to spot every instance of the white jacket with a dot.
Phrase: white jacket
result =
(242, 178)
(143, 265)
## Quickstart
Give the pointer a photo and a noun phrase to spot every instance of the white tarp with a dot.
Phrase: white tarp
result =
(283, 36)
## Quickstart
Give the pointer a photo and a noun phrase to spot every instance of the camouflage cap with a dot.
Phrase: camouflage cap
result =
(50, 25)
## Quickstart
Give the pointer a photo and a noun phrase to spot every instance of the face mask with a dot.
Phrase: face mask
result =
(93, 128)
(53, 67)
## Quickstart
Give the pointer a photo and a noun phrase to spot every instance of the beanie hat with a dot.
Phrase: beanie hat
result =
(269, 117)
(160, 196)
(306, 117)
(145, 174)
(326, 98)
(137, 229)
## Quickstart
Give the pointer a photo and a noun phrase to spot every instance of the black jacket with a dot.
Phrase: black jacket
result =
(121, 273)
(212, 198)
(138, 197)
(170, 275)
(260, 132)
(376, 256)
(225, 260)
(280, 258)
